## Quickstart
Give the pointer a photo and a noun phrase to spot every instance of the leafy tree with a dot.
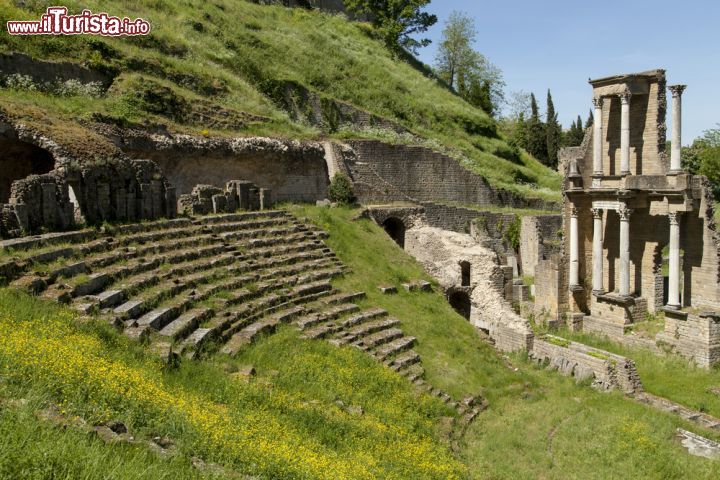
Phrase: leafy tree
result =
(455, 54)
(341, 190)
(691, 159)
(703, 158)
(397, 20)
(553, 133)
(518, 105)
(710, 167)
(536, 137)
(465, 70)
(516, 131)
(476, 92)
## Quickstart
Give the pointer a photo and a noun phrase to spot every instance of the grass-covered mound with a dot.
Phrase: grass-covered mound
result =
(234, 57)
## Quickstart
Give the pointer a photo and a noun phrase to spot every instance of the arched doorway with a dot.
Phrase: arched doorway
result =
(19, 160)
(460, 301)
(396, 229)
(465, 274)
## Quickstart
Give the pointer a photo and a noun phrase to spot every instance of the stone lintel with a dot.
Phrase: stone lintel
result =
(675, 313)
(624, 300)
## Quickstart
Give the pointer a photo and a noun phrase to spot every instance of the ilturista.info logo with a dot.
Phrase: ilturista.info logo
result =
(56, 21)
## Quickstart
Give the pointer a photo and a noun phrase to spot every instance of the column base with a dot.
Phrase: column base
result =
(598, 292)
(576, 288)
(625, 173)
(675, 172)
(672, 307)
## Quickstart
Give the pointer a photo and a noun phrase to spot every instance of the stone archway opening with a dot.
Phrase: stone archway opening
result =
(19, 160)
(460, 301)
(395, 228)
(465, 274)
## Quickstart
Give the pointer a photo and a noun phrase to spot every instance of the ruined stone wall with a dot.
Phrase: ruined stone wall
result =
(607, 370)
(548, 288)
(540, 237)
(694, 336)
(700, 241)
(294, 171)
(70, 189)
(384, 173)
(441, 252)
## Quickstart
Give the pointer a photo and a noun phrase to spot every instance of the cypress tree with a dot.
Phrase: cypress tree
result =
(552, 133)
(580, 131)
(535, 131)
(589, 121)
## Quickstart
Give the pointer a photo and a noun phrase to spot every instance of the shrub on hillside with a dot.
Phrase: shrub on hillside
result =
(341, 190)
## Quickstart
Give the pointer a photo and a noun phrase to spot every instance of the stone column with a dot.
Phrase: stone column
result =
(674, 262)
(597, 137)
(574, 247)
(624, 213)
(675, 157)
(625, 133)
(597, 251)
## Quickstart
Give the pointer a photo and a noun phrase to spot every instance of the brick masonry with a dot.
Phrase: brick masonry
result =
(384, 173)
(607, 370)
(695, 336)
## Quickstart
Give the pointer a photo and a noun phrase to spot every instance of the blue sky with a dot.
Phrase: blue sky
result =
(559, 44)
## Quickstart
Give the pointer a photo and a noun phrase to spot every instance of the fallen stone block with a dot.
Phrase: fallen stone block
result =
(699, 446)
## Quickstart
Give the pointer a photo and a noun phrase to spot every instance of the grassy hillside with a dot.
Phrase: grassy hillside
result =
(232, 54)
(314, 410)
(539, 424)
(286, 424)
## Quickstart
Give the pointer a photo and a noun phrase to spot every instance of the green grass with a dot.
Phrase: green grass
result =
(670, 376)
(539, 424)
(551, 428)
(232, 53)
(31, 448)
(337, 402)
(288, 423)
(447, 340)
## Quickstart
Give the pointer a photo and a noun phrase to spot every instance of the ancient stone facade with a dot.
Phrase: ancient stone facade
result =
(45, 188)
(639, 234)
(294, 171)
(237, 195)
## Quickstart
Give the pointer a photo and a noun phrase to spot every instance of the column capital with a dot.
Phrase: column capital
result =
(625, 213)
(625, 97)
(677, 90)
(597, 102)
(597, 213)
(573, 211)
(674, 217)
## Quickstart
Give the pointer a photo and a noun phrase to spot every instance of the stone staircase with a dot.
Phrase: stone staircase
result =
(190, 287)
(184, 283)
(341, 322)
